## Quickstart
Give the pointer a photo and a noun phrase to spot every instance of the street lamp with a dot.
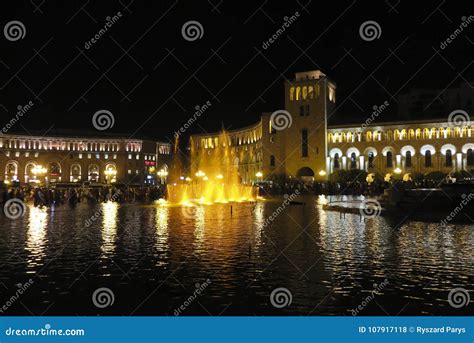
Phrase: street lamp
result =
(162, 173)
(110, 175)
(38, 170)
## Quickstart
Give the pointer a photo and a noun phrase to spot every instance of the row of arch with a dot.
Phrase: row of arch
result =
(54, 171)
(305, 92)
(403, 134)
(407, 152)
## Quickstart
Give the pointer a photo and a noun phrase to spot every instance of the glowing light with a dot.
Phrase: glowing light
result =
(205, 178)
(220, 176)
(259, 174)
(397, 170)
(322, 172)
(188, 179)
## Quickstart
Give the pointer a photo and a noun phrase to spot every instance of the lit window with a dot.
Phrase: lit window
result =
(27, 154)
(80, 156)
(106, 156)
(138, 157)
(7, 154)
(97, 156)
(89, 156)
(136, 171)
(36, 154)
(115, 156)
(129, 171)
(17, 154)
(129, 156)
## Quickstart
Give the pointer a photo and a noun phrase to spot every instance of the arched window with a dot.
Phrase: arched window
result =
(389, 159)
(408, 159)
(292, 93)
(305, 92)
(427, 158)
(371, 159)
(304, 143)
(353, 161)
(310, 92)
(470, 157)
(336, 161)
(29, 174)
(272, 161)
(75, 175)
(93, 173)
(449, 158)
(298, 93)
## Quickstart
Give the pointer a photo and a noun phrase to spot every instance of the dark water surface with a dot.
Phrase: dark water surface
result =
(152, 258)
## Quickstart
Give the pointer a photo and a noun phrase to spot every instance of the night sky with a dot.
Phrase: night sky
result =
(151, 78)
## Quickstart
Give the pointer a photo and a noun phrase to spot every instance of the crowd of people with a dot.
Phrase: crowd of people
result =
(57, 196)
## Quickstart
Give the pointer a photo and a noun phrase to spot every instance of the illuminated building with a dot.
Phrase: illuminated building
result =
(310, 150)
(51, 159)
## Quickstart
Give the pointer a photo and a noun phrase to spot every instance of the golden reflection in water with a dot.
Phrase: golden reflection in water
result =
(109, 227)
(199, 228)
(259, 221)
(36, 234)
(162, 216)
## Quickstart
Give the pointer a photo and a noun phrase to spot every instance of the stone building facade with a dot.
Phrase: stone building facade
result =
(297, 142)
(50, 159)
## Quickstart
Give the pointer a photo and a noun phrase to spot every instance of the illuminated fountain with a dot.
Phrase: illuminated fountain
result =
(213, 176)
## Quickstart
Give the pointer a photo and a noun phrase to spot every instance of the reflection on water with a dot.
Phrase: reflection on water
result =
(36, 235)
(328, 261)
(162, 213)
(109, 227)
